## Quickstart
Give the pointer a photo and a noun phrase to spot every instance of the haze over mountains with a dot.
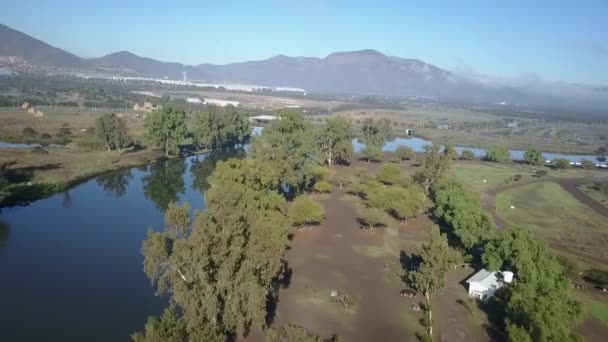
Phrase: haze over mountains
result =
(359, 72)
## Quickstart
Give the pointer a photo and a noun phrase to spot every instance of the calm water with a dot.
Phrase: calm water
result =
(417, 144)
(71, 265)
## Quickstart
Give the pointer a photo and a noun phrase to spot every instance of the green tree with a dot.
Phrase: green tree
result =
(203, 166)
(166, 128)
(392, 174)
(403, 203)
(288, 146)
(533, 157)
(433, 169)
(334, 141)
(219, 127)
(437, 257)
(304, 211)
(461, 209)
(404, 153)
(498, 154)
(166, 328)
(221, 273)
(372, 217)
(560, 163)
(372, 153)
(112, 131)
(467, 155)
(375, 132)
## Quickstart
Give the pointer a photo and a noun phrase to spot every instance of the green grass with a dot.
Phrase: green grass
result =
(569, 226)
(593, 307)
(473, 174)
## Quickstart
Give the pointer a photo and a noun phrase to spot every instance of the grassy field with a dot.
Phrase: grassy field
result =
(569, 226)
(486, 176)
(594, 307)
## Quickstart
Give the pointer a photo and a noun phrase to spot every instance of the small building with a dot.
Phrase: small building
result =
(221, 103)
(264, 118)
(484, 283)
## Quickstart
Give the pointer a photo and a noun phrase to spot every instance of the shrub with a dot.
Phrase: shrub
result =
(323, 187)
(372, 217)
(372, 153)
(391, 174)
(596, 276)
(587, 164)
(561, 163)
(533, 157)
(467, 155)
(304, 211)
(541, 173)
(29, 132)
(498, 154)
(404, 153)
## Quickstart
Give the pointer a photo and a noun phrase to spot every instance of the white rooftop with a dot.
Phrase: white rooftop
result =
(486, 279)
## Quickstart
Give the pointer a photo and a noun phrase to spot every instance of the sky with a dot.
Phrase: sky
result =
(542, 40)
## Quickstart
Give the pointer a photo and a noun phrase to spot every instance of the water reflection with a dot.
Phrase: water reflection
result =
(115, 183)
(201, 169)
(5, 235)
(165, 182)
(67, 200)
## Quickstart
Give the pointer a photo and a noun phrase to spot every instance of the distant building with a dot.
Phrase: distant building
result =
(443, 127)
(264, 118)
(195, 100)
(146, 107)
(221, 103)
(484, 283)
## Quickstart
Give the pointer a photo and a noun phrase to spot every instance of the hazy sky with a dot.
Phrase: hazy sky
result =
(554, 40)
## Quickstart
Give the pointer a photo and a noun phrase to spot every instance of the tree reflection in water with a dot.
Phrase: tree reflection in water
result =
(5, 235)
(165, 182)
(115, 183)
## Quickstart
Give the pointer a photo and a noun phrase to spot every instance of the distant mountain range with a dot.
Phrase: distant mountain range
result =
(360, 72)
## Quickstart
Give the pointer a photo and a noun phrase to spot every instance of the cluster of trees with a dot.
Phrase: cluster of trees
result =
(390, 192)
(374, 134)
(334, 141)
(221, 266)
(218, 127)
(167, 129)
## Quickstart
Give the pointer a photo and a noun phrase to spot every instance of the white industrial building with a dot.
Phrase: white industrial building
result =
(484, 283)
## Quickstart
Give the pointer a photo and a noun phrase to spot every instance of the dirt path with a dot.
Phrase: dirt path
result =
(323, 259)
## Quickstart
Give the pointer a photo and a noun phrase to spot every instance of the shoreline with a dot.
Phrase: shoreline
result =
(24, 193)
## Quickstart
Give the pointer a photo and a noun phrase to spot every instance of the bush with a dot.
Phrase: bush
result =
(560, 163)
(533, 157)
(404, 153)
(498, 154)
(323, 187)
(450, 151)
(541, 173)
(29, 132)
(39, 150)
(321, 173)
(372, 153)
(467, 155)
(391, 174)
(372, 217)
(304, 211)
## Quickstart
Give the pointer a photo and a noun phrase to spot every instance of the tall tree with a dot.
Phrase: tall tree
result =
(112, 131)
(218, 127)
(434, 167)
(375, 132)
(437, 257)
(220, 275)
(287, 144)
(334, 141)
(166, 128)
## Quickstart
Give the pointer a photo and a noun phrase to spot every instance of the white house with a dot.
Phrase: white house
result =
(484, 283)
